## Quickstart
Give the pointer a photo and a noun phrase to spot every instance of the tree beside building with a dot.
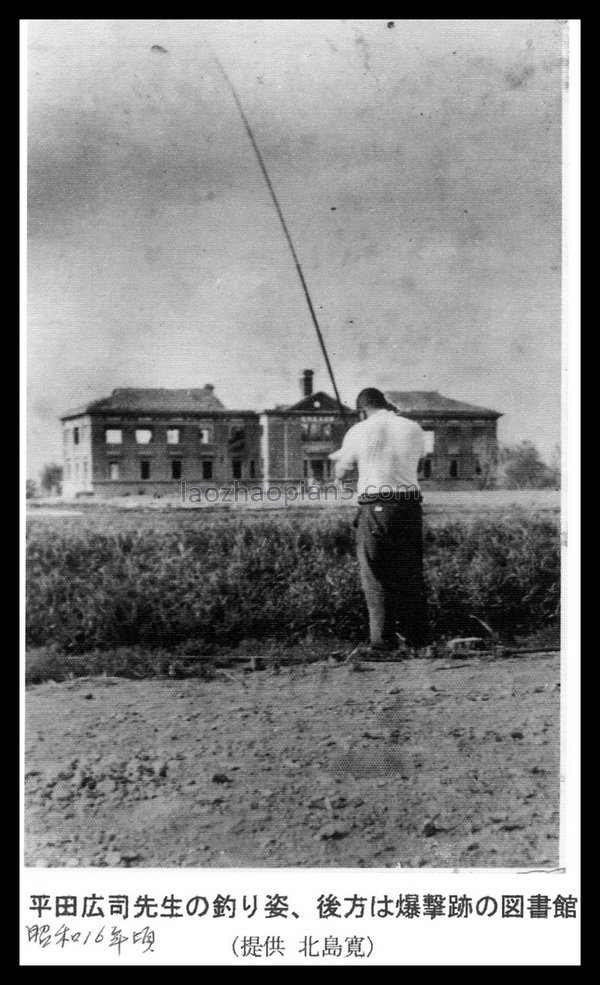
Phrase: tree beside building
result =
(521, 467)
(51, 479)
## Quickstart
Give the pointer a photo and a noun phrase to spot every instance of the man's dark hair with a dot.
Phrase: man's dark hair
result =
(371, 398)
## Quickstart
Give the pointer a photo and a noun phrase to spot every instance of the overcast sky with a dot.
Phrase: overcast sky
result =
(418, 166)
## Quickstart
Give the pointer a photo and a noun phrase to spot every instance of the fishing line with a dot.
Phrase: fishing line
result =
(285, 229)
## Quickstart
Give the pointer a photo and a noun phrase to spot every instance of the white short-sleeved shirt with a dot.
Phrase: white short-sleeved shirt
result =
(386, 449)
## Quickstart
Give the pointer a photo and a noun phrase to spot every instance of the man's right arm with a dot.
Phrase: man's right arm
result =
(420, 442)
(345, 459)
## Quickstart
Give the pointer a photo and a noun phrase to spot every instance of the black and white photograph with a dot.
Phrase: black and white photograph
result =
(295, 445)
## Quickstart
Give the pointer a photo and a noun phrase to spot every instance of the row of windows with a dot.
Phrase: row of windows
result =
(145, 469)
(317, 470)
(455, 443)
(426, 468)
(310, 431)
(73, 472)
(315, 431)
(145, 436)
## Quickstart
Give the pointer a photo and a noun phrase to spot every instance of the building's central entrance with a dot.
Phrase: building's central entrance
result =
(317, 469)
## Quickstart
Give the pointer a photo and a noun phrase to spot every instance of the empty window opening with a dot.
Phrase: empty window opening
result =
(429, 440)
(114, 436)
(144, 469)
(453, 441)
(113, 470)
(75, 436)
(176, 469)
(453, 468)
(173, 436)
(481, 443)
(207, 469)
(143, 436)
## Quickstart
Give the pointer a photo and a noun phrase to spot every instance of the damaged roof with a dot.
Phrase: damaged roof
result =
(148, 400)
(433, 404)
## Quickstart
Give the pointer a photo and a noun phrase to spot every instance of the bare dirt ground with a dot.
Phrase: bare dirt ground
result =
(443, 763)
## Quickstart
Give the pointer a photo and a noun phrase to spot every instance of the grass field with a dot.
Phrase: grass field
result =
(111, 577)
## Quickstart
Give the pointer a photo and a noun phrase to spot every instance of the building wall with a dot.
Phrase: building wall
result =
(283, 448)
(464, 455)
(77, 456)
(116, 469)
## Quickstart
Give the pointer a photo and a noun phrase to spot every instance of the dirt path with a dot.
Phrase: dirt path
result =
(425, 763)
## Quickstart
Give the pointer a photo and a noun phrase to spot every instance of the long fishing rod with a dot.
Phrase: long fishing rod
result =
(286, 231)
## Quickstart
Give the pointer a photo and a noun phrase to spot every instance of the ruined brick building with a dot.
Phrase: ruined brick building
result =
(147, 441)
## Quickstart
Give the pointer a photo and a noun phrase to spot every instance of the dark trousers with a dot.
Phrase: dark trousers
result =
(390, 555)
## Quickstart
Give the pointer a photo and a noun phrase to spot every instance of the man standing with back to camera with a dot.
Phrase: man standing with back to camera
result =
(386, 448)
